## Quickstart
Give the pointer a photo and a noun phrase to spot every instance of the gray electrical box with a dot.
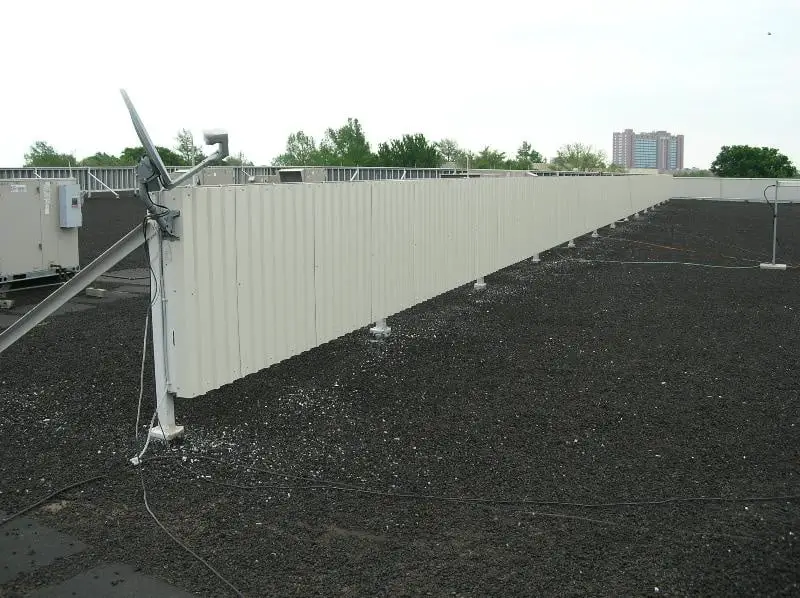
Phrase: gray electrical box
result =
(34, 244)
(70, 206)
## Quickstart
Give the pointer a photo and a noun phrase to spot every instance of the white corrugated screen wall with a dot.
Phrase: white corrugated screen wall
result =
(731, 189)
(264, 272)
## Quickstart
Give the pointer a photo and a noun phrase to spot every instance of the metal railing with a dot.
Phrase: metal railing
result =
(113, 179)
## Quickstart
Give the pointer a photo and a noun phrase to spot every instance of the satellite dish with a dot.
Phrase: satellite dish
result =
(147, 143)
(151, 171)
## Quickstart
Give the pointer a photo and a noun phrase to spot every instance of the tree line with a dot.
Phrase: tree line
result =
(185, 153)
(348, 146)
(345, 146)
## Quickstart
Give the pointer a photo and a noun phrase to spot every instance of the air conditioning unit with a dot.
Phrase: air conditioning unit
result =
(39, 222)
(291, 175)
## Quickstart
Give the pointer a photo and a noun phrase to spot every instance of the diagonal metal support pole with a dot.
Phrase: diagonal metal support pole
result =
(58, 298)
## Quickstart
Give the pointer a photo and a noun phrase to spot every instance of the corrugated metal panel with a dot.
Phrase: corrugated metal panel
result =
(393, 286)
(570, 220)
(201, 287)
(729, 189)
(444, 246)
(515, 221)
(275, 273)
(342, 221)
(618, 194)
(699, 187)
(488, 197)
(264, 272)
(753, 190)
(544, 228)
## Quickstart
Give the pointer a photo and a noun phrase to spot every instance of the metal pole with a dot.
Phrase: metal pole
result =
(165, 429)
(775, 224)
(103, 184)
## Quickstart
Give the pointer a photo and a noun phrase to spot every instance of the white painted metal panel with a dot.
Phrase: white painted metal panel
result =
(275, 273)
(201, 290)
(343, 260)
(696, 187)
(617, 198)
(264, 272)
(444, 237)
(593, 211)
(641, 189)
(515, 210)
(488, 195)
(570, 219)
(393, 275)
(730, 189)
(750, 189)
(544, 230)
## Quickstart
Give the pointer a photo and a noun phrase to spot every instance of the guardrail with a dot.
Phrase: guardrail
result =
(123, 178)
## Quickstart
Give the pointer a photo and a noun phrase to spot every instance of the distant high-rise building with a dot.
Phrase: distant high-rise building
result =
(656, 149)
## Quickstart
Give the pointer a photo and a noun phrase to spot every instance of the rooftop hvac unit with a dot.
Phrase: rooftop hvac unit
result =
(291, 175)
(39, 222)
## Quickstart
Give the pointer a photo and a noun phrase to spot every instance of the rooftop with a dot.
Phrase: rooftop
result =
(582, 427)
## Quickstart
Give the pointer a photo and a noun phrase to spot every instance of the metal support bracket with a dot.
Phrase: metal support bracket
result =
(166, 428)
(381, 329)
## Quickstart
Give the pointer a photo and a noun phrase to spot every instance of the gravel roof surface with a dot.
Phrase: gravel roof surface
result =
(565, 381)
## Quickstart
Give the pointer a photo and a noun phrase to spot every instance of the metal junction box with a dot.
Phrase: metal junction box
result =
(69, 206)
(39, 223)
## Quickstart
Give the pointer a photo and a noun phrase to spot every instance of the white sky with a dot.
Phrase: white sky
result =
(493, 74)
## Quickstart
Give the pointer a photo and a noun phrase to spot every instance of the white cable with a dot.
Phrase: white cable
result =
(667, 263)
(138, 459)
(141, 372)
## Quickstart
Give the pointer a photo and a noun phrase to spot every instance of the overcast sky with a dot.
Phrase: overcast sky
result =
(496, 74)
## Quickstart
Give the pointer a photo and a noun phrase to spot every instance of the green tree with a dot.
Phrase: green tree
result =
(692, 172)
(346, 146)
(449, 151)
(301, 150)
(100, 159)
(410, 151)
(615, 168)
(489, 158)
(131, 156)
(577, 156)
(237, 160)
(756, 162)
(185, 148)
(526, 157)
(42, 154)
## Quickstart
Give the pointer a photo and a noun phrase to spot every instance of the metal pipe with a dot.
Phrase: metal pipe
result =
(775, 225)
(103, 184)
